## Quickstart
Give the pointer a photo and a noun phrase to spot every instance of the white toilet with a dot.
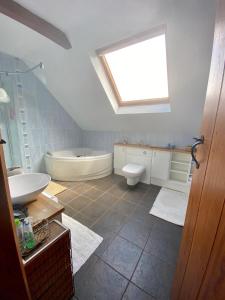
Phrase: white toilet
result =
(133, 173)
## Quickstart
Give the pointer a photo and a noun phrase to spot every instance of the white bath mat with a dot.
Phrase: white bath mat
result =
(84, 241)
(171, 206)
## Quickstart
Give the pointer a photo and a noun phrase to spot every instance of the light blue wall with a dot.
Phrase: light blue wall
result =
(104, 140)
(43, 125)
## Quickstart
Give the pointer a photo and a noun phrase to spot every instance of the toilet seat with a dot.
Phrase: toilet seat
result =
(133, 170)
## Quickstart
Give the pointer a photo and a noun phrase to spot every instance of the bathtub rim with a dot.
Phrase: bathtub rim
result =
(74, 158)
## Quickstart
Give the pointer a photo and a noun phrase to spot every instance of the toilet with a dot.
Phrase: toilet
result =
(133, 173)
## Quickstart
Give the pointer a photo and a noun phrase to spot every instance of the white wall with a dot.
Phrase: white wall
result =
(93, 24)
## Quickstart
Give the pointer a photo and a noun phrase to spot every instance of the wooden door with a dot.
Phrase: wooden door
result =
(199, 252)
(13, 283)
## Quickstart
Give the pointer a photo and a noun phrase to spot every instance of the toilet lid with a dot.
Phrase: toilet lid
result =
(134, 168)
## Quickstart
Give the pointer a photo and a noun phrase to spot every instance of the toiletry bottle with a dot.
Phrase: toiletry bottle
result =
(28, 235)
(19, 232)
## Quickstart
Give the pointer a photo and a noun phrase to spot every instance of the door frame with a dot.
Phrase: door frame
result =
(13, 278)
(211, 108)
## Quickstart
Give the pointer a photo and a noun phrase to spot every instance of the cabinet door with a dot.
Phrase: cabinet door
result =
(160, 165)
(119, 157)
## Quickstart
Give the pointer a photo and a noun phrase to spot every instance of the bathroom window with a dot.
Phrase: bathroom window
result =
(137, 69)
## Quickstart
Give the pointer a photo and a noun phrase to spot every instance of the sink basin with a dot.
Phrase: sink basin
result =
(26, 187)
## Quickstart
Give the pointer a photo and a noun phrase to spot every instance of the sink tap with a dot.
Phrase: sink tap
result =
(14, 171)
(125, 140)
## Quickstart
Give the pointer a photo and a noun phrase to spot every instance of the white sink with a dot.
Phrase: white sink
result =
(26, 187)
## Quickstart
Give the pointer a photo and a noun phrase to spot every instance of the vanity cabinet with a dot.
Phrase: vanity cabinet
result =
(164, 167)
(119, 157)
(160, 165)
(142, 157)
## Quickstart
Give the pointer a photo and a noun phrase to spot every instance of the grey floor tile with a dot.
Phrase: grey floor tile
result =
(82, 276)
(153, 275)
(124, 207)
(134, 293)
(82, 188)
(66, 196)
(93, 193)
(142, 215)
(136, 232)
(107, 199)
(119, 189)
(123, 256)
(80, 202)
(94, 211)
(164, 241)
(103, 184)
(99, 282)
(83, 219)
(116, 178)
(112, 220)
(134, 195)
(150, 197)
(108, 236)
(113, 214)
(69, 211)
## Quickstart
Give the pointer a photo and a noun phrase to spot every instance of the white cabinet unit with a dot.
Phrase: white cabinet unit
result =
(142, 157)
(168, 168)
(124, 155)
(160, 165)
(119, 157)
(180, 167)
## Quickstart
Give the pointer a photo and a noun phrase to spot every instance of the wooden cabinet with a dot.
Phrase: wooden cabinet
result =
(49, 267)
(160, 165)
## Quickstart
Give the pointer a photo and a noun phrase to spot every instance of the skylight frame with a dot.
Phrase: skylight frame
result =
(154, 32)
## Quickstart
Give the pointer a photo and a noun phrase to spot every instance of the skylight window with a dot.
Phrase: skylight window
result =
(137, 71)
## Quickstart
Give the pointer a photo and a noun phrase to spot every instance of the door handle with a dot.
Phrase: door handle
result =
(2, 142)
(198, 141)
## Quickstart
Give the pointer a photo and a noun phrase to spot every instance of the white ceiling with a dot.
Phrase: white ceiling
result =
(93, 24)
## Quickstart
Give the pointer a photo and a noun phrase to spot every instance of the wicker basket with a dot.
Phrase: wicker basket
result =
(49, 269)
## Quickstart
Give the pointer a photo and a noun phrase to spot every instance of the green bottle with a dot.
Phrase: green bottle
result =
(28, 235)
(19, 232)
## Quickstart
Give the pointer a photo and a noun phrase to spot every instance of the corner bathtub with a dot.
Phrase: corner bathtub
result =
(78, 164)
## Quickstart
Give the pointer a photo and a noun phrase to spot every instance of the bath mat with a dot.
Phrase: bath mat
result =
(171, 206)
(84, 241)
(54, 188)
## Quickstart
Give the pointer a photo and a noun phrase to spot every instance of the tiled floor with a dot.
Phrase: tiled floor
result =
(136, 260)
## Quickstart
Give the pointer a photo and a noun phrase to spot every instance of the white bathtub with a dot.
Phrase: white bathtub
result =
(78, 164)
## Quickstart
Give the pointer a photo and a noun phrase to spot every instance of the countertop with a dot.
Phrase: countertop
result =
(182, 150)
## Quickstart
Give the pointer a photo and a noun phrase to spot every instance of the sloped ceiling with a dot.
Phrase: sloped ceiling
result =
(92, 24)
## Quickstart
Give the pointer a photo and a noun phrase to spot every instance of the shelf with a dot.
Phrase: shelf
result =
(180, 162)
(180, 181)
(180, 172)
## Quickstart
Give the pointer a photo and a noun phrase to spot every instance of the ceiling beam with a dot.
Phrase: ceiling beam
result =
(19, 13)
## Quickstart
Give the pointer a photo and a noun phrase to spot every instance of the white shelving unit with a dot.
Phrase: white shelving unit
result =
(180, 167)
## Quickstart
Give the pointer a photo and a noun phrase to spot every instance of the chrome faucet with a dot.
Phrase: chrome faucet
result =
(125, 140)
